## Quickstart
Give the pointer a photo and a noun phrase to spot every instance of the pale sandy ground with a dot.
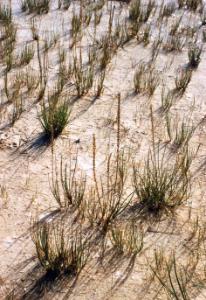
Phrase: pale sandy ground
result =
(25, 177)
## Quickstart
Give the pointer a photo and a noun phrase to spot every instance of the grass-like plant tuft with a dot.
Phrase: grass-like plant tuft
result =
(194, 54)
(59, 251)
(35, 6)
(182, 80)
(54, 119)
(160, 187)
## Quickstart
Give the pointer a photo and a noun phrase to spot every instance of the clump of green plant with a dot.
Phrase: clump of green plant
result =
(87, 16)
(106, 54)
(50, 40)
(183, 134)
(134, 16)
(18, 82)
(24, 5)
(152, 81)
(8, 44)
(97, 17)
(9, 61)
(100, 83)
(139, 73)
(173, 43)
(6, 90)
(146, 79)
(194, 54)
(203, 18)
(194, 4)
(99, 5)
(31, 80)
(180, 132)
(122, 33)
(83, 77)
(64, 75)
(69, 191)
(5, 14)
(17, 109)
(26, 55)
(161, 186)
(12, 91)
(127, 240)
(167, 99)
(167, 10)
(138, 13)
(54, 118)
(59, 251)
(190, 32)
(175, 26)
(92, 54)
(181, 3)
(182, 80)
(62, 55)
(9, 33)
(145, 35)
(34, 30)
(174, 277)
(65, 4)
(149, 9)
(76, 24)
(156, 47)
(204, 36)
(134, 10)
(35, 6)
(108, 45)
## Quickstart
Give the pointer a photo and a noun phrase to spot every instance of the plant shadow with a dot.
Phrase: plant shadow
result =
(36, 146)
(39, 284)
